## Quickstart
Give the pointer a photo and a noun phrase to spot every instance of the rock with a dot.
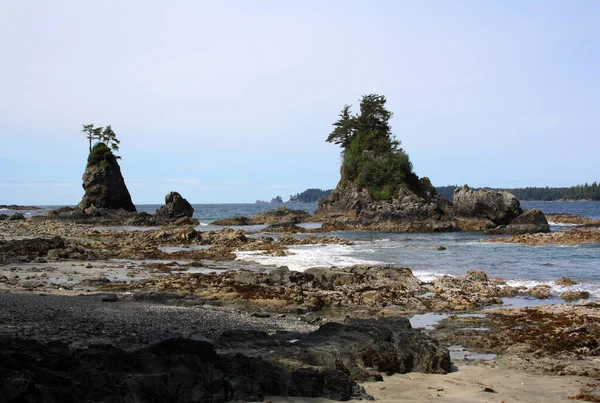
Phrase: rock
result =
(284, 227)
(574, 295)
(440, 247)
(236, 221)
(16, 217)
(541, 291)
(530, 222)
(175, 207)
(500, 208)
(141, 219)
(425, 210)
(30, 248)
(280, 215)
(565, 281)
(3, 217)
(110, 298)
(103, 183)
(326, 363)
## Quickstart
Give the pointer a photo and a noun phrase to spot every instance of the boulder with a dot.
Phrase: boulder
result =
(175, 207)
(530, 222)
(3, 217)
(16, 217)
(498, 208)
(103, 183)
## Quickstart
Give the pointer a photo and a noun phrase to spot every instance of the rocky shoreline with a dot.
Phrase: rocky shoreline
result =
(110, 315)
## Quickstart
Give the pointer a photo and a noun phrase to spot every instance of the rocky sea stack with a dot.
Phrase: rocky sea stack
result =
(103, 183)
(378, 188)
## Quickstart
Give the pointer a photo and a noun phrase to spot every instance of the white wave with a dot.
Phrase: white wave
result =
(427, 276)
(303, 257)
(558, 224)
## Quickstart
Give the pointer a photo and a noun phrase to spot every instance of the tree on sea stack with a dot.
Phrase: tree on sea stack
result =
(106, 136)
(372, 156)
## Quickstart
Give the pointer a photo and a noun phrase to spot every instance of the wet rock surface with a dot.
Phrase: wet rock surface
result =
(64, 347)
(554, 339)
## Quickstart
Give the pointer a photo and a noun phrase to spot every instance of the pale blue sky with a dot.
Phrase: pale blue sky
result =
(231, 101)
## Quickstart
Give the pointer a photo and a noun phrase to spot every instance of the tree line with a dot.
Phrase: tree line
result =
(310, 196)
(578, 192)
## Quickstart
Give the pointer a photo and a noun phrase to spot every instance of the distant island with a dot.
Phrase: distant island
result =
(310, 196)
(578, 192)
(275, 200)
(17, 207)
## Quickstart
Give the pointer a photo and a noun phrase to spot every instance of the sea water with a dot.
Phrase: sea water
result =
(518, 264)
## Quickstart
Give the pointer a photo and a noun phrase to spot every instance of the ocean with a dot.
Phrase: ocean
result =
(518, 264)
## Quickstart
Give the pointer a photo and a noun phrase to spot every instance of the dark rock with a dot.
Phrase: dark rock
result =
(141, 219)
(16, 217)
(175, 207)
(284, 227)
(326, 363)
(103, 183)
(530, 222)
(499, 208)
(235, 221)
(110, 298)
(3, 217)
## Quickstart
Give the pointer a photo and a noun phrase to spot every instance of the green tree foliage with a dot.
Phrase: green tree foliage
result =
(579, 192)
(310, 196)
(106, 136)
(372, 158)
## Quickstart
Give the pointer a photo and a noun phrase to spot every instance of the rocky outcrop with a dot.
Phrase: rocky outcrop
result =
(483, 209)
(530, 222)
(235, 221)
(175, 207)
(408, 211)
(103, 183)
(279, 216)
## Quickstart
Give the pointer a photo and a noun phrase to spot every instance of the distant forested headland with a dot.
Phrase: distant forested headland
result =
(579, 192)
(310, 196)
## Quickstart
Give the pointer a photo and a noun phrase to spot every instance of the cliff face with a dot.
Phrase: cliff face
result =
(407, 211)
(103, 183)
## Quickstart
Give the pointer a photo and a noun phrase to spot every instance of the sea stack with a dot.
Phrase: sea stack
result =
(378, 188)
(103, 183)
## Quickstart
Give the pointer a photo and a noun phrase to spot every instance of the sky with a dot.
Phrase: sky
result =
(231, 101)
